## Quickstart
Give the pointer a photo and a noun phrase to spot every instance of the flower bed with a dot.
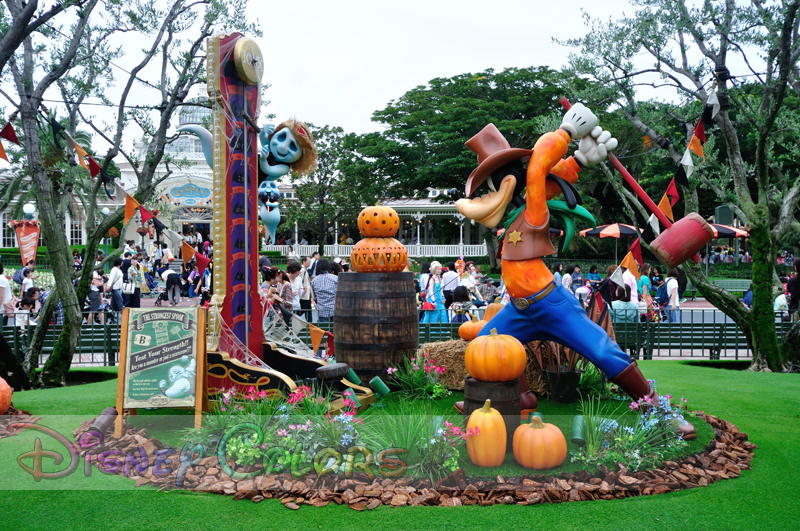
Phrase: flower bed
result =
(726, 456)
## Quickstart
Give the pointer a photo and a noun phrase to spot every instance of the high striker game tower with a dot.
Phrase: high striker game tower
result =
(235, 67)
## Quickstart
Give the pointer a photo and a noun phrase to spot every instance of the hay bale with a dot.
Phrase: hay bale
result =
(450, 355)
(537, 379)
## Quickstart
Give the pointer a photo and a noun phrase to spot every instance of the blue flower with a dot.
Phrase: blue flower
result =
(629, 430)
(346, 439)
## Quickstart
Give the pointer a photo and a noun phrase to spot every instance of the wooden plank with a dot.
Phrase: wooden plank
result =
(121, 373)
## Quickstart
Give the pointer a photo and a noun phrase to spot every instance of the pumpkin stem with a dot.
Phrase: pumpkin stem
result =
(494, 332)
(536, 423)
(487, 406)
(474, 319)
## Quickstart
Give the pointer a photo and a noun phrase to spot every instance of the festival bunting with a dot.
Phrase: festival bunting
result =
(688, 163)
(713, 102)
(636, 249)
(665, 206)
(630, 263)
(3, 153)
(651, 230)
(616, 277)
(316, 336)
(94, 167)
(146, 214)
(81, 154)
(700, 131)
(696, 146)
(202, 263)
(672, 192)
(680, 176)
(9, 134)
(131, 205)
(188, 252)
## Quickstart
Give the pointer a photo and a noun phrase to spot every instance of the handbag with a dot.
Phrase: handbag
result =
(128, 288)
(428, 305)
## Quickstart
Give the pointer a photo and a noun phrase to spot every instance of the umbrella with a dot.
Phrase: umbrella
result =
(615, 230)
(725, 231)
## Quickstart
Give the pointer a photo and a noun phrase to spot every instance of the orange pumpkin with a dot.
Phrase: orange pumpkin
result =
(5, 396)
(378, 222)
(378, 255)
(469, 330)
(495, 358)
(488, 447)
(492, 310)
(539, 445)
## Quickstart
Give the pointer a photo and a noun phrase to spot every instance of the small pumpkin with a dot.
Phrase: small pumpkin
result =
(495, 358)
(469, 330)
(538, 445)
(492, 310)
(5, 396)
(378, 222)
(488, 447)
(378, 255)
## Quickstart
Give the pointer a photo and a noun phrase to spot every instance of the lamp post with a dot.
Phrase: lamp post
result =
(29, 210)
(105, 213)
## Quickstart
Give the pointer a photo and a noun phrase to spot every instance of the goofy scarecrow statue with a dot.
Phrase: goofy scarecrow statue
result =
(540, 309)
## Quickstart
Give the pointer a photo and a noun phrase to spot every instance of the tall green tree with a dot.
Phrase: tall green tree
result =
(336, 191)
(683, 51)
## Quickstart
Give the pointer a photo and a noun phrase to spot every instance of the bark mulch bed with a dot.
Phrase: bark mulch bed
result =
(725, 457)
(14, 416)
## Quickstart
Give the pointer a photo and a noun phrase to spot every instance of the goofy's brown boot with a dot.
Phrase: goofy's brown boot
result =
(634, 384)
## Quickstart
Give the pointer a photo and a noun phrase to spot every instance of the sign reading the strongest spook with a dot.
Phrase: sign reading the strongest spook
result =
(161, 365)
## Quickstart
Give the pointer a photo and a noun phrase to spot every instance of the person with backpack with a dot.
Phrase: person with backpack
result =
(19, 274)
(27, 281)
(673, 299)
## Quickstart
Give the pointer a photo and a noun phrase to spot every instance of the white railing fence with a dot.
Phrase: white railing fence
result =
(414, 251)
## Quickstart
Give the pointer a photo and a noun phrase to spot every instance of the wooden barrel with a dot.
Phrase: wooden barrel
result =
(504, 397)
(375, 323)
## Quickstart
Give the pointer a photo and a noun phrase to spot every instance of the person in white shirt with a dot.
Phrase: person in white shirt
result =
(566, 278)
(450, 282)
(5, 296)
(674, 305)
(114, 285)
(630, 281)
(294, 271)
(173, 281)
(468, 281)
(27, 282)
(23, 314)
(582, 293)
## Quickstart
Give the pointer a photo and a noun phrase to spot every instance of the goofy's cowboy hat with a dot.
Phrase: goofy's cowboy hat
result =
(493, 152)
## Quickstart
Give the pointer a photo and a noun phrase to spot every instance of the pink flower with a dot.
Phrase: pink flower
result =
(283, 433)
(292, 426)
(391, 370)
(346, 393)
(683, 400)
(477, 430)
(634, 406)
(669, 397)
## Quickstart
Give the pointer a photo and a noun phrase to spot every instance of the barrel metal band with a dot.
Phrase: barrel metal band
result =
(357, 319)
(388, 347)
(378, 295)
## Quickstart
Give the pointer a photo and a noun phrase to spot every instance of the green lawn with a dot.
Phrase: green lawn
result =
(763, 405)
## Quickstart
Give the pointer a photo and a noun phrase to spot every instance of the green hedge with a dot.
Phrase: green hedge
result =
(10, 255)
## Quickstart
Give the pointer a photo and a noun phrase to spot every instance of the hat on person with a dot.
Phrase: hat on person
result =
(337, 260)
(493, 152)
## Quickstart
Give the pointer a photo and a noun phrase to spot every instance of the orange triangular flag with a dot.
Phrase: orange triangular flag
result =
(696, 146)
(188, 252)
(316, 336)
(3, 153)
(131, 205)
(630, 263)
(666, 207)
(81, 153)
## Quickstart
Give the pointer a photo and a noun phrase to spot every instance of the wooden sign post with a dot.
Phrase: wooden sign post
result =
(162, 361)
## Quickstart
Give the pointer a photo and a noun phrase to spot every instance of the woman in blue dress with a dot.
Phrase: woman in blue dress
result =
(433, 294)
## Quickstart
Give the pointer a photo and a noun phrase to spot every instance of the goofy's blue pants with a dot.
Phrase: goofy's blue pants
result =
(559, 317)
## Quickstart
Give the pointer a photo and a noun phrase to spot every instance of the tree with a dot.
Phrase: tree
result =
(336, 191)
(754, 184)
(422, 145)
(76, 60)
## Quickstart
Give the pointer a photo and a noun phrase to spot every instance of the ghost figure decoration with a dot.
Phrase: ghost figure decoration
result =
(268, 198)
(289, 146)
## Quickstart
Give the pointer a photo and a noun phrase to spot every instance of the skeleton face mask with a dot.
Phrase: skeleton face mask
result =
(284, 146)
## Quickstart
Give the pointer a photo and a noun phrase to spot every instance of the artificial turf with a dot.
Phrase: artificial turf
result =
(763, 405)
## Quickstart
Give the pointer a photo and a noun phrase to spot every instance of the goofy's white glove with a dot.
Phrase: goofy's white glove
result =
(594, 147)
(579, 121)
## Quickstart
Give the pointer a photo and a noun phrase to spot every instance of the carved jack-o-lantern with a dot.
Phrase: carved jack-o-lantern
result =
(378, 222)
(378, 255)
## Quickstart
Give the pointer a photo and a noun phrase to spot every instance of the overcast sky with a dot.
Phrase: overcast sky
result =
(338, 62)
